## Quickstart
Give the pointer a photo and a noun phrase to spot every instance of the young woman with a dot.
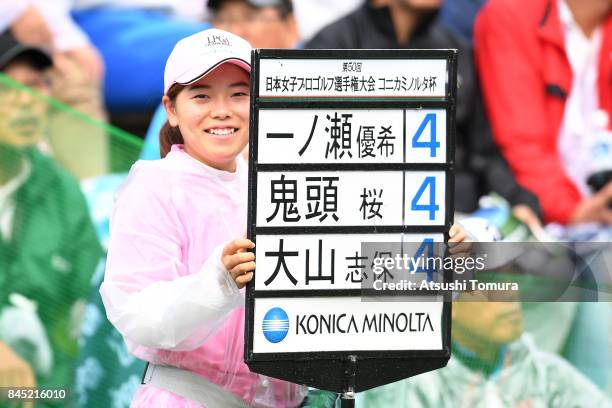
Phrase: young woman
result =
(177, 255)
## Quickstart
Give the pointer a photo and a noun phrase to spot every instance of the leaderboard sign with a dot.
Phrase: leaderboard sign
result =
(347, 147)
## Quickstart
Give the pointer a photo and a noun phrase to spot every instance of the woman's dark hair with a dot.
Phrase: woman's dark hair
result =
(169, 135)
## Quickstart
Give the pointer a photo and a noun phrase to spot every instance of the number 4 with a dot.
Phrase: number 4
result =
(426, 249)
(432, 207)
(432, 144)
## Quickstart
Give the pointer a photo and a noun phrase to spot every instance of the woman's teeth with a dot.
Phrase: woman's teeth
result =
(222, 132)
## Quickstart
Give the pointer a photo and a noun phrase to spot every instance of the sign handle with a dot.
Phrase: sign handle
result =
(348, 396)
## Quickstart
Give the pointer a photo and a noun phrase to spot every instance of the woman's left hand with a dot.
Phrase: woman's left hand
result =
(457, 243)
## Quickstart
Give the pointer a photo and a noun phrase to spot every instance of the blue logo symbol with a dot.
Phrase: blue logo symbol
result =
(275, 325)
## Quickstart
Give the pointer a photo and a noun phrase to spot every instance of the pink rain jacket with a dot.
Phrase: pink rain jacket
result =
(165, 288)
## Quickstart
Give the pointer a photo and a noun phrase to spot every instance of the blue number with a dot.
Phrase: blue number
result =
(432, 144)
(426, 249)
(432, 207)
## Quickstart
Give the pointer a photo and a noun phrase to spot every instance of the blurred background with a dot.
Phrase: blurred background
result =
(81, 83)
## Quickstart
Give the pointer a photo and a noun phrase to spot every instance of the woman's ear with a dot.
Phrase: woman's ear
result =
(170, 111)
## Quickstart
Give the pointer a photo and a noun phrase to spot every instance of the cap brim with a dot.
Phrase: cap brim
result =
(42, 59)
(196, 74)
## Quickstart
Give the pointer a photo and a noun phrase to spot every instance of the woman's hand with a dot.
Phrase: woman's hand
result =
(238, 262)
(457, 244)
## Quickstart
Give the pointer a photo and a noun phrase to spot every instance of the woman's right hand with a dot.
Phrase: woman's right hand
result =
(238, 262)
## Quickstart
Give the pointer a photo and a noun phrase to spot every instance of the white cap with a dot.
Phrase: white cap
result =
(200, 53)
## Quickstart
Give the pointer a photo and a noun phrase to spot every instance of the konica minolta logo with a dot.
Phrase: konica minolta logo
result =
(275, 325)
(368, 323)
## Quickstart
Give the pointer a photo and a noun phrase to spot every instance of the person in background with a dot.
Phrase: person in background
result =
(545, 70)
(493, 364)
(479, 166)
(48, 25)
(48, 246)
(393, 24)
(458, 16)
(75, 81)
(264, 23)
(122, 33)
(115, 42)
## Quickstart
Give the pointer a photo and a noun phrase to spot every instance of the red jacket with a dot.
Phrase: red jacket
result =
(526, 78)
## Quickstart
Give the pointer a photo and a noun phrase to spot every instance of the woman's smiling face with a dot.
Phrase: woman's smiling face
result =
(213, 116)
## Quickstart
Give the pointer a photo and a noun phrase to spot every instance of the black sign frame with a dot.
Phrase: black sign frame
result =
(340, 371)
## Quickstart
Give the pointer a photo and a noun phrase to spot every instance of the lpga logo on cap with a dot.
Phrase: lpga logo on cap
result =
(218, 40)
(195, 56)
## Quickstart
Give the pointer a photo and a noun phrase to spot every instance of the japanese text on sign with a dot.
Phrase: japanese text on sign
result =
(407, 78)
(331, 261)
(352, 136)
(350, 198)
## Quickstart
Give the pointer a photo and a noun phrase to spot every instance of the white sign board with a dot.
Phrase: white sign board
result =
(352, 78)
